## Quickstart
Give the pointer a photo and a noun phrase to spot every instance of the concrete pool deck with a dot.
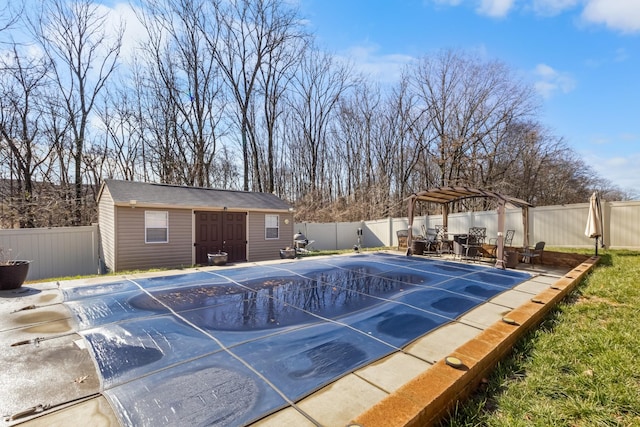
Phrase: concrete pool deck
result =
(49, 378)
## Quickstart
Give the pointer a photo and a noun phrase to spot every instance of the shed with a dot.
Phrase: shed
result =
(147, 225)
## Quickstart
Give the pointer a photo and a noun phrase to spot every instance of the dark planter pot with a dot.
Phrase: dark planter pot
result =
(13, 274)
(217, 259)
(287, 253)
(511, 259)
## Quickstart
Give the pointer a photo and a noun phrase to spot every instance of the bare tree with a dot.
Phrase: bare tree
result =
(319, 85)
(10, 15)
(181, 71)
(122, 139)
(82, 56)
(22, 83)
(543, 170)
(364, 148)
(275, 77)
(410, 124)
(250, 34)
(470, 104)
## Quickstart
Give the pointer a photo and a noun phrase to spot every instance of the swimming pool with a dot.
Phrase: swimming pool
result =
(231, 345)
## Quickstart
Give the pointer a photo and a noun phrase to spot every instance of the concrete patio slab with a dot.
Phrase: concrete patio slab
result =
(36, 316)
(96, 411)
(442, 341)
(43, 373)
(341, 401)
(512, 299)
(484, 316)
(28, 298)
(545, 279)
(286, 417)
(533, 286)
(393, 371)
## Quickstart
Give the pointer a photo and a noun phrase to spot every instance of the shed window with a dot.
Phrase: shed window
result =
(271, 226)
(156, 227)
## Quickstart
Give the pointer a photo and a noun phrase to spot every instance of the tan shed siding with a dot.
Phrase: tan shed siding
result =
(261, 249)
(106, 218)
(134, 253)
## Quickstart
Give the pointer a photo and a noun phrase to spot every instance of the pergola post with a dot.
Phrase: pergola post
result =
(412, 202)
(525, 225)
(445, 216)
(500, 242)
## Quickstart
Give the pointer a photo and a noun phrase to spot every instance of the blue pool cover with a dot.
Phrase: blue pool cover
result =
(229, 346)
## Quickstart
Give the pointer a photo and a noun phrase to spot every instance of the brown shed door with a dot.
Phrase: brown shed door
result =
(221, 231)
(235, 235)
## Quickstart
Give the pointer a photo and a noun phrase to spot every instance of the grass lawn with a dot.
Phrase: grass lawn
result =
(581, 367)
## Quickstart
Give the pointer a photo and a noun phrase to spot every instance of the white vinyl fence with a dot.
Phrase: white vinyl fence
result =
(559, 226)
(70, 251)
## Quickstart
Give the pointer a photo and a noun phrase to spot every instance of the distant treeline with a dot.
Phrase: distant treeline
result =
(236, 94)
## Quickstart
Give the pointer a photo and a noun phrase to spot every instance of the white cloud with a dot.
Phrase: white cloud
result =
(552, 7)
(550, 81)
(618, 15)
(621, 15)
(448, 2)
(384, 68)
(617, 55)
(492, 8)
(134, 32)
(495, 8)
(613, 156)
(545, 89)
(616, 170)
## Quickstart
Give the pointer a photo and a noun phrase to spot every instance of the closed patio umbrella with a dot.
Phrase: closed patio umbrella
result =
(594, 220)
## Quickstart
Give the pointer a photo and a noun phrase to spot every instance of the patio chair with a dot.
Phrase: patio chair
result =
(424, 233)
(403, 235)
(529, 254)
(508, 239)
(431, 237)
(424, 243)
(442, 239)
(475, 240)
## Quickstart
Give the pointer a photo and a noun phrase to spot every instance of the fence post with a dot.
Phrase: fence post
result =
(391, 233)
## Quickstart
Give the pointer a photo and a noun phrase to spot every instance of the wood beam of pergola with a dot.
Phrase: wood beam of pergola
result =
(446, 195)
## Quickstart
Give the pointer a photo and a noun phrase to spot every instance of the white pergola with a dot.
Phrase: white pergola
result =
(447, 195)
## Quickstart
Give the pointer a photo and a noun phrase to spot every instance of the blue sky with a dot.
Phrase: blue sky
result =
(582, 56)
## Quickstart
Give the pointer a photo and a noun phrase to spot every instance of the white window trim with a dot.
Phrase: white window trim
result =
(277, 227)
(146, 227)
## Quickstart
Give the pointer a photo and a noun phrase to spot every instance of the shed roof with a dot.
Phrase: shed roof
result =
(176, 196)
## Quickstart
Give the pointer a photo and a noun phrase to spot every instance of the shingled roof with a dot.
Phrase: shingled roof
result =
(176, 196)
